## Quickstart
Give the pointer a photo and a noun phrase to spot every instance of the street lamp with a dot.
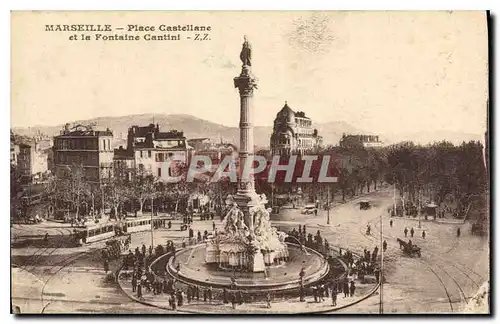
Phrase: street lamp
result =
(328, 207)
(381, 305)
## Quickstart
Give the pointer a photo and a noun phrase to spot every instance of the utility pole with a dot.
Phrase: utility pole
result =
(152, 232)
(394, 197)
(419, 208)
(272, 195)
(328, 207)
(381, 308)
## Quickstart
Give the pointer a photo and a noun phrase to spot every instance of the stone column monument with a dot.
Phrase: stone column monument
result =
(246, 197)
(246, 83)
(247, 239)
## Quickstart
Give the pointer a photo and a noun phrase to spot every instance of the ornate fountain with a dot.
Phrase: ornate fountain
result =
(236, 247)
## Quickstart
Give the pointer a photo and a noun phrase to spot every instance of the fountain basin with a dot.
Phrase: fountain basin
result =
(285, 276)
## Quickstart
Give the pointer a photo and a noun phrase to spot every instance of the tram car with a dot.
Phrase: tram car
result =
(137, 225)
(97, 233)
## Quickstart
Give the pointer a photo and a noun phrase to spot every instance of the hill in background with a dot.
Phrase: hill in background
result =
(195, 128)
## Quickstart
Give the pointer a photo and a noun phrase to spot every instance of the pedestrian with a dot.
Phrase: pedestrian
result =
(412, 231)
(334, 295)
(458, 232)
(205, 294)
(188, 294)
(233, 300)
(390, 223)
(143, 249)
(210, 294)
(139, 290)
(353, 288)
(346, 287)
(268, 300)
(179, 297)
(169, 224)
(384, 245)
(377, 274)
(406, 232)
(134, 283)
(106, 266)
(213, 226)
(173, 301)
(423, 234)
(225, 297)
(302, 294)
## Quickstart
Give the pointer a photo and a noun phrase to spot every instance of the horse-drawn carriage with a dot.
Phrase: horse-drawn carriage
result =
(409, 248)
(478, 228)
(364, 205)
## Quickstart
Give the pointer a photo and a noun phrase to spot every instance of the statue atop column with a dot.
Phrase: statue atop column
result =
(246, 53)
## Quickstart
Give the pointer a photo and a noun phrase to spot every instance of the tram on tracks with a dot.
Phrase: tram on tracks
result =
(99, 232)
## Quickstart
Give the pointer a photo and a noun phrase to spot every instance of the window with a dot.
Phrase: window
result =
(109, 145)
(104, 144)
(149, 154)
(141, 153)
(159, 172)
(159, 157)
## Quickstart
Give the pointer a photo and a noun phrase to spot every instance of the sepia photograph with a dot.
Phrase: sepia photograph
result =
(250, 162)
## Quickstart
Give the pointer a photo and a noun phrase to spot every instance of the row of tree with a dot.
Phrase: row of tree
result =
(437, 171)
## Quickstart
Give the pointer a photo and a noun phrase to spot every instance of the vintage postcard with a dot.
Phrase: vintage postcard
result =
(305, 162)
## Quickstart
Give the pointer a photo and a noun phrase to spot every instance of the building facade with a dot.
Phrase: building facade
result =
(14, 153)
(153, 150)
(83, 146)
(293, 133)
(365, 140)
(31, 162)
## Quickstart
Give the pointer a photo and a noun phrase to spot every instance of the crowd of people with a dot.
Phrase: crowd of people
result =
(144, 280)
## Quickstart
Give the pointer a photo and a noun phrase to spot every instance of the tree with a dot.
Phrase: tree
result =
(73, 187)
(16, 190)
(118, 188)
(142, 187)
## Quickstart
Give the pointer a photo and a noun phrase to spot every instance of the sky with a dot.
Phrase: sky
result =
(378, 71)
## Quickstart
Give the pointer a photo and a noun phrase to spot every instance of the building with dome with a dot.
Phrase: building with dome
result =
(293, 133)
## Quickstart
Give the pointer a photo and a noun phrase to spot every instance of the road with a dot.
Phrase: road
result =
(449, 272)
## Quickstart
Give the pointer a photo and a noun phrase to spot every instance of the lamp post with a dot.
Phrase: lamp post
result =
(381, 305)
(328, 207)
(152, 232)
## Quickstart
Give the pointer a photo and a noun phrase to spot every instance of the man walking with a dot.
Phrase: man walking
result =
(134, 283)
(412, 231)
(334, 295)
(406, 232)
(346, 287)
(353, 288)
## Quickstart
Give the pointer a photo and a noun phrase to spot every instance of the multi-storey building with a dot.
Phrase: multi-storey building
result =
(86, 147)
(293, 133)
(152, 149)
(14, 153)
(31, 161)
(365, 140)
